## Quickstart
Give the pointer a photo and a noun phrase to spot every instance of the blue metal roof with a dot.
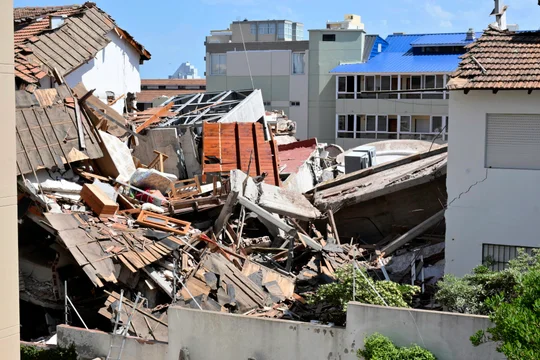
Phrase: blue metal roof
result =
(444, 39)
(398, 56)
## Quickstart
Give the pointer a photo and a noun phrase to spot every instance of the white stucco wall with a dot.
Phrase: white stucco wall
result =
(115, 68)
(503, 208)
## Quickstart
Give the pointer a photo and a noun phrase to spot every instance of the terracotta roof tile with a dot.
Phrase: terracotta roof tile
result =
(500, 59)
(34, 12)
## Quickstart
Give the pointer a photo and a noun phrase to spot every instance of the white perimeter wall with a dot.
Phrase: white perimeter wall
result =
(213, 335)
(115, 68)
(502, 209)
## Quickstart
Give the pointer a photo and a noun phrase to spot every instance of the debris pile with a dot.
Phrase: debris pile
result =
(196, 204)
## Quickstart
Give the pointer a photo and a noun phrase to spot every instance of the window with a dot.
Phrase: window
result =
(218, 64)
(298, 63)
(513, 141)
(430, 82)
(370, 83)
(416, 82)
(496, 257)
(263, 29)
(345, 87)
(254, 29)
(281, 31)
(272, 28)
(345, 126)
(382, 123)
(436, 124)
(405, 124)
(295, 103)
(288, 31)
(386, 82)
(371, 123)
(299, 32)
(329, 37)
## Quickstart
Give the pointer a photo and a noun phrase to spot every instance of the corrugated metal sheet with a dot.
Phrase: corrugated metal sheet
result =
(403, 63)
(397, 56)
(444, 39)
(46, 135)
(229, 146)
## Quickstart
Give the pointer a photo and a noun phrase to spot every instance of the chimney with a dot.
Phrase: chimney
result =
(470, 35)
(500, 14)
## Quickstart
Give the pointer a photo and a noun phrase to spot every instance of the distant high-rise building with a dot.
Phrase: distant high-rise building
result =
(185, 71)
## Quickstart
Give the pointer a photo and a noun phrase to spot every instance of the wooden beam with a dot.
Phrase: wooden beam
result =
(333, 225)
(143, 138)
(413, 233)
(155, 118)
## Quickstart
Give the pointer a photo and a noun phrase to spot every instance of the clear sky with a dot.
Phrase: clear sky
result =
(174, 30)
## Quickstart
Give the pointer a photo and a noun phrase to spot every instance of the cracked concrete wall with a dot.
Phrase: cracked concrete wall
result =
(212, 335)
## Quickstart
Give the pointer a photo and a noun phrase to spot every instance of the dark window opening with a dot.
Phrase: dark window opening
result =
(329, 37)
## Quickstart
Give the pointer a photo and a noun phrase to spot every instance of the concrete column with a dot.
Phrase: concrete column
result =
(399, 87)
(9, 280)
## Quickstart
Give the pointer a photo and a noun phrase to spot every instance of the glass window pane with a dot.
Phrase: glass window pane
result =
(405, 124)
(370, 123)
(342, 83)
(350, 123)
(341, 122)
(430, 82)
(370, 83)
(350, 84)
(436, 124)
(440, 81)
(385, 83)
(416, 82)
(359, 83)
(298, 63)
(360, 122)
(254, 29)
(281, 31)
(271, 28)
(381, 123)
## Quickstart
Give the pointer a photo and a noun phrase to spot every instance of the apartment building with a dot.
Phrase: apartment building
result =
(293, 74)
(399, 93)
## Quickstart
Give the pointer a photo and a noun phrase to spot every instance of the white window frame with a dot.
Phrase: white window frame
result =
(271, 28)
(263, 28)
(374, 82)
(220, 56)
(347, 130)
(253, 29)
(353, 93)
(303, 63)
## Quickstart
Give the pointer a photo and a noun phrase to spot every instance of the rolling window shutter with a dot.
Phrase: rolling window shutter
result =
(513, 141)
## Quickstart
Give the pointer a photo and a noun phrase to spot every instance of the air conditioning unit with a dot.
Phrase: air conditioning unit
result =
(361, 157)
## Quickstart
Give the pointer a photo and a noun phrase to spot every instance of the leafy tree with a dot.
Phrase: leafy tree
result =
(58, 353)
(517, 320)
(340, 292)
(470, 293)
(379, 347)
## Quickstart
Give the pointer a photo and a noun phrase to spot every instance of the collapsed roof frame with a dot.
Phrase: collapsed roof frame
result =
(194, 109)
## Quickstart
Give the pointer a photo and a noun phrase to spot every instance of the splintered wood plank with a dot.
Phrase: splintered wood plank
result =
(126, 263)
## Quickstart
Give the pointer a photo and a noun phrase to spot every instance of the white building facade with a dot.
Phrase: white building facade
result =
(494, 153)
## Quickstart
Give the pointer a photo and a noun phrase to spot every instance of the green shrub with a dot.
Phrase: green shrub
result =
(517, 321)
(58, 353)
(379, 347)
(469, 293)
(340, 292)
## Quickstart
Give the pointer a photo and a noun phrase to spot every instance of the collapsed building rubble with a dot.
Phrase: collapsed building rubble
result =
(195, 204)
